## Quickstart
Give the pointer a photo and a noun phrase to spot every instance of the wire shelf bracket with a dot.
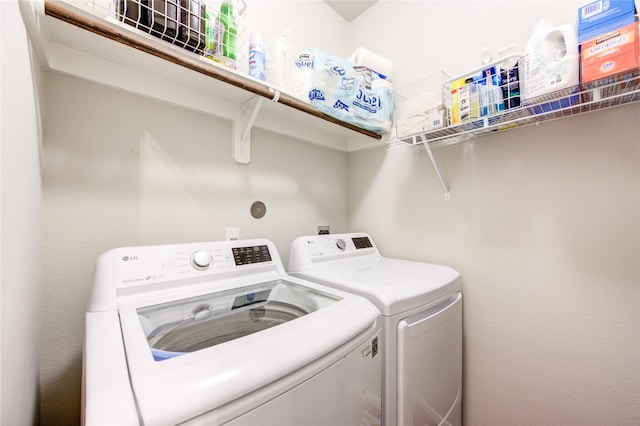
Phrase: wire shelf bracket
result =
(249, 111)
(425, 143)
(242, 130)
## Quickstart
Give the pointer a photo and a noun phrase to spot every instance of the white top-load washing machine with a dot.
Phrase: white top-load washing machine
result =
(421, 306)
(218, 333)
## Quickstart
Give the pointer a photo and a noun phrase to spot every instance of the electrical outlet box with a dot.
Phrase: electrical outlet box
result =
(323, 230)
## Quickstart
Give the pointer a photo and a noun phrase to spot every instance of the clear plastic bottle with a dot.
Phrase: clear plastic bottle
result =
(256, 57)
(469, 100)
(210, 32)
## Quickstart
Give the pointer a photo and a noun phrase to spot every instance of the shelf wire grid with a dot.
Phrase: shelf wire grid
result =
(608, 92)
(192, 25)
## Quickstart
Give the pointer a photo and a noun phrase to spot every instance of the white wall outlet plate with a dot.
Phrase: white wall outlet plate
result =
(231, 233)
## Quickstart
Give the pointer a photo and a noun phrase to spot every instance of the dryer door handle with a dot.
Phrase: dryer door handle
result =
(421, 323)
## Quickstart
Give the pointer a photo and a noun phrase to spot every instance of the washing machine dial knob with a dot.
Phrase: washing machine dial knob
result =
(341, 244)
(201, 260)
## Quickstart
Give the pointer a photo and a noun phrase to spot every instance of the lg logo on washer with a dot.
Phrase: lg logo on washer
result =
(127, 258)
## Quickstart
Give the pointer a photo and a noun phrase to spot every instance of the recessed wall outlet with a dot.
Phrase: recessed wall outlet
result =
(324, 230)
(231, 234)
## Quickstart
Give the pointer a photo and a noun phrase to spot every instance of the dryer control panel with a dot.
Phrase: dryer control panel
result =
(357, 242)
(317, 248)
(361, 242)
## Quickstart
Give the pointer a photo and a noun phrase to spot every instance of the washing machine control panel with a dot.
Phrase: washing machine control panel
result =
(251, 255)
(141, 266)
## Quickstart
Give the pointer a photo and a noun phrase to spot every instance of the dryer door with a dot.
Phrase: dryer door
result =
(430, 365)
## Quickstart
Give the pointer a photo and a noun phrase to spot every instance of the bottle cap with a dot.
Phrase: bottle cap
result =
(485, 55)
(255, 38)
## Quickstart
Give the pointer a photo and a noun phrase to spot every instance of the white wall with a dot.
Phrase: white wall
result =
(20, 224)
(543, 224)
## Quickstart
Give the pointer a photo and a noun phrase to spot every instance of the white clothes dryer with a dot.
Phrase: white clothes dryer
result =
(421, 306)
(217, 333)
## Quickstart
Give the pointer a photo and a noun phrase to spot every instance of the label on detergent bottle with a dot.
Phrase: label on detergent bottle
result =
(511, 86)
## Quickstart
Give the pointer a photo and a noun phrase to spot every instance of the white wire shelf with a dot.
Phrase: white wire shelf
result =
(608, 92)
(598, 95)
(89, 40)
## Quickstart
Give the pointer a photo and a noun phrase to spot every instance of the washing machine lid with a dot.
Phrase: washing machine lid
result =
(182, 326)
(393, 285)
(190, 356)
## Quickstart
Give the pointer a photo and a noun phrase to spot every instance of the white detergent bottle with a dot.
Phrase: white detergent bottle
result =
(551, 60)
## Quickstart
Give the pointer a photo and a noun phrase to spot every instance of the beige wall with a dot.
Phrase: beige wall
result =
(121, 170)
(544, 225)
(19, 224)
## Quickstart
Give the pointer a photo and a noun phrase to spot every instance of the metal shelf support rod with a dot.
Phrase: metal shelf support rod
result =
(425, 143)
(243, 126)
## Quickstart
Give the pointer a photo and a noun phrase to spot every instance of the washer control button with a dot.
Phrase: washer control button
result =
(341, 244)
(201, 260)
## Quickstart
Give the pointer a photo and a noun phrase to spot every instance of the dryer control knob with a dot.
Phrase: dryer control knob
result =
(201, 260)
(341, 244)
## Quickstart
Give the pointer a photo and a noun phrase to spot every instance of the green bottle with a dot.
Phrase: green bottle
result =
(228, 30)
(210, 33)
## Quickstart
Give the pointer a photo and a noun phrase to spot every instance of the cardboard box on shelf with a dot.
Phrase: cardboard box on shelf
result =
(603, 16)
(610, 53)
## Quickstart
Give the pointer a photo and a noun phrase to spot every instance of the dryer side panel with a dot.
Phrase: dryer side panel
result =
(430, 366)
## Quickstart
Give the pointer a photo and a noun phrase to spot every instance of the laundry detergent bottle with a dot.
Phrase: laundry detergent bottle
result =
(551, 60)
